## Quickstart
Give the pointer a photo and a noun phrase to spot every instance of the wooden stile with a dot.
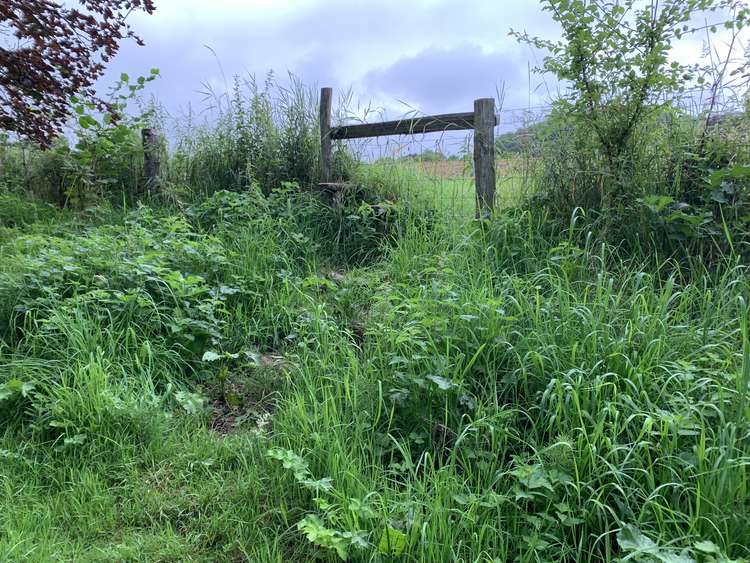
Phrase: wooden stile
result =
(482, 120)
(414, 126)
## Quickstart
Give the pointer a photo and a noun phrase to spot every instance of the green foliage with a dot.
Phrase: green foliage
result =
(268, 373)
(640, 547)
(18, 212)
(527, 140)
(614, 58)
(469, 389)
(337, 510)
(340, 511)
(639, 168)
(225, 209)
(105, 161)
(263, 136)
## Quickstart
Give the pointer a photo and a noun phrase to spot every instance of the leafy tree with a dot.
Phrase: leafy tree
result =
(56, 52)
(613, 58)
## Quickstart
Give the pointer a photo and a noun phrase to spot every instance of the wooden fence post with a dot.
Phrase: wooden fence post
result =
(151, 158)
(484, 155)
(326, 174)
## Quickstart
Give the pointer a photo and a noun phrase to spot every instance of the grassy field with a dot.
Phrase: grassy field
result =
(448, 185)
(271, 379)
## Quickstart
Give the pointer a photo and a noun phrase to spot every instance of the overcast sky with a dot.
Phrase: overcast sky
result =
(434, 56)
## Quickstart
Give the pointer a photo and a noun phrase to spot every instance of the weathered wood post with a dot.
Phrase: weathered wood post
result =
(151, 158)
(484, 155)
(326, 173)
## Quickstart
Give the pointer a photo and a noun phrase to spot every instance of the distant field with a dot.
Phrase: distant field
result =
(449, 184)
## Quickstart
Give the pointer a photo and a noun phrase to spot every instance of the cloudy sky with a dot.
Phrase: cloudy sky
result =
(434, 56)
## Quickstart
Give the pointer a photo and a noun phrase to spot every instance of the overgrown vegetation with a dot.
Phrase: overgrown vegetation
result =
(265, 134)
(242, 367)
(494, 394)
(261, 136)
(622, 146)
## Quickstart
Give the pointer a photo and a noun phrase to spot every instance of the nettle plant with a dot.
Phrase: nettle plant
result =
(613, 60)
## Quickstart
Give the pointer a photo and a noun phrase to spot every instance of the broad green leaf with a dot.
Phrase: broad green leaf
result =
(630, 538)
(357, 539)
(14, 385)
(211, 356)
(86, 121)
(668, 556)
(441, 382)
(324, 484)
(657, 203)
(192, 403)
(392, 542)
(706, 546)
(27, 388)
(317, 533)
(533, 477)
(291, 460)
(78, 439)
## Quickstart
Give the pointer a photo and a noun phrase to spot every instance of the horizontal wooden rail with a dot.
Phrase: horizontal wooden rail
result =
(413, 126)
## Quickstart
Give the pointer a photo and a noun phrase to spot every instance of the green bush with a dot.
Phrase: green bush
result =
(643, 172)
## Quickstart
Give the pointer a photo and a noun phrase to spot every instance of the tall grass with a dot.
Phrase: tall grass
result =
(445, 185)
(264, 134)
(259, 374)
(673, 181)
(257, 134)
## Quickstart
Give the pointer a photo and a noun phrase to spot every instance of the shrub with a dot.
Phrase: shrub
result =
(624, 153)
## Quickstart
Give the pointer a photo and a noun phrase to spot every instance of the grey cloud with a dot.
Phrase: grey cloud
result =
(444, 80)
(437, 54)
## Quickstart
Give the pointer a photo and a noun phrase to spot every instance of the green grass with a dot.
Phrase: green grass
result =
(452, 191)
(458, 391)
